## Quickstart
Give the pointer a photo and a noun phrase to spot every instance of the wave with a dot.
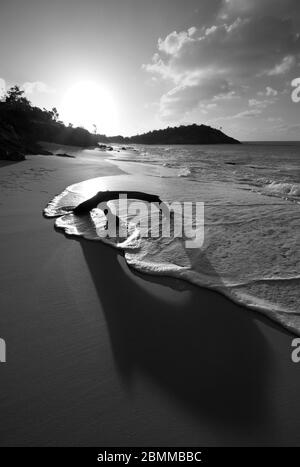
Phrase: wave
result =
(250, 254)
(279, 188)
(283, 189)
(184, 172)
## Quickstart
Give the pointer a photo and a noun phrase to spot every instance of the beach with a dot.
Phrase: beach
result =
(101, 355)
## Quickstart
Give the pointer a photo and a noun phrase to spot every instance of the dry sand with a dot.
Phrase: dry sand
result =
(98, 355)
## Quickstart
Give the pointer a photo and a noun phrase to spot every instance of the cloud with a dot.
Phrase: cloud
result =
(226, 96)
(36, 87)
(269, 92)
(259, 104)
(245, 42)
(232, 8)
(173, 42)
(28, 87)
(283, 67)
(262, 104)
(274, 119)
(247, 114)
(289, 129)
(2, 87)
(293, 129)
(190, 94)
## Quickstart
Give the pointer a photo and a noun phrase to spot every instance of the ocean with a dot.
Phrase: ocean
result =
(251, 196)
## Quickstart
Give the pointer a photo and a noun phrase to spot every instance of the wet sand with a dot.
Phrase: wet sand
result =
(98, 355)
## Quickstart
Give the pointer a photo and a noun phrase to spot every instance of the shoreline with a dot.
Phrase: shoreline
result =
(149, 365)
(135, 170)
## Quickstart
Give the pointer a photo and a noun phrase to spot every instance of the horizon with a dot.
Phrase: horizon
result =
(130, 67)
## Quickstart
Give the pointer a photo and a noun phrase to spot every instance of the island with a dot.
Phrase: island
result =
(183, 134)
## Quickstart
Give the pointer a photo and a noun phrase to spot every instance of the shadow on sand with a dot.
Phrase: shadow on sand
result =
(208, 353)
(4, 163)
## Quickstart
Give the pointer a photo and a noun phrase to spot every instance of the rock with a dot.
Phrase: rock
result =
(11, 147)
(65, 155)
(11, 154)
(105, 196)
(16, 156)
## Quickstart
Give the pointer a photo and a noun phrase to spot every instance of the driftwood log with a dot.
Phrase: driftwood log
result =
(105, 196)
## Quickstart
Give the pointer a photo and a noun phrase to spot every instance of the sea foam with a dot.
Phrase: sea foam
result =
(251, 250)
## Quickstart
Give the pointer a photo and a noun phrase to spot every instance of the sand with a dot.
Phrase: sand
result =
(98, 355)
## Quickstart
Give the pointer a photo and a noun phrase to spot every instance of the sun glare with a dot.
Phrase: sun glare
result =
(87, 104)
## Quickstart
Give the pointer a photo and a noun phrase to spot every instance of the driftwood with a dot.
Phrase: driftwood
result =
(105, 196)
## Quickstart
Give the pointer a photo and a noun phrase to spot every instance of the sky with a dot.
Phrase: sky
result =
(137, 65)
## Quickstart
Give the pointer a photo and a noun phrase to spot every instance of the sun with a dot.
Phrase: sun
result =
(87, 104)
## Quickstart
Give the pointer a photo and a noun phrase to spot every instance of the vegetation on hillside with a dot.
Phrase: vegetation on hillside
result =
(22, 125)
(189, 134)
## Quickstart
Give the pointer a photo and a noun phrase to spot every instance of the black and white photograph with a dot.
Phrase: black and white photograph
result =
(149, 227)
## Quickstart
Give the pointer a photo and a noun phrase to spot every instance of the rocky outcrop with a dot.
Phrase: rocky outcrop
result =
(105, 196)
(23, 125)
(11, 147)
